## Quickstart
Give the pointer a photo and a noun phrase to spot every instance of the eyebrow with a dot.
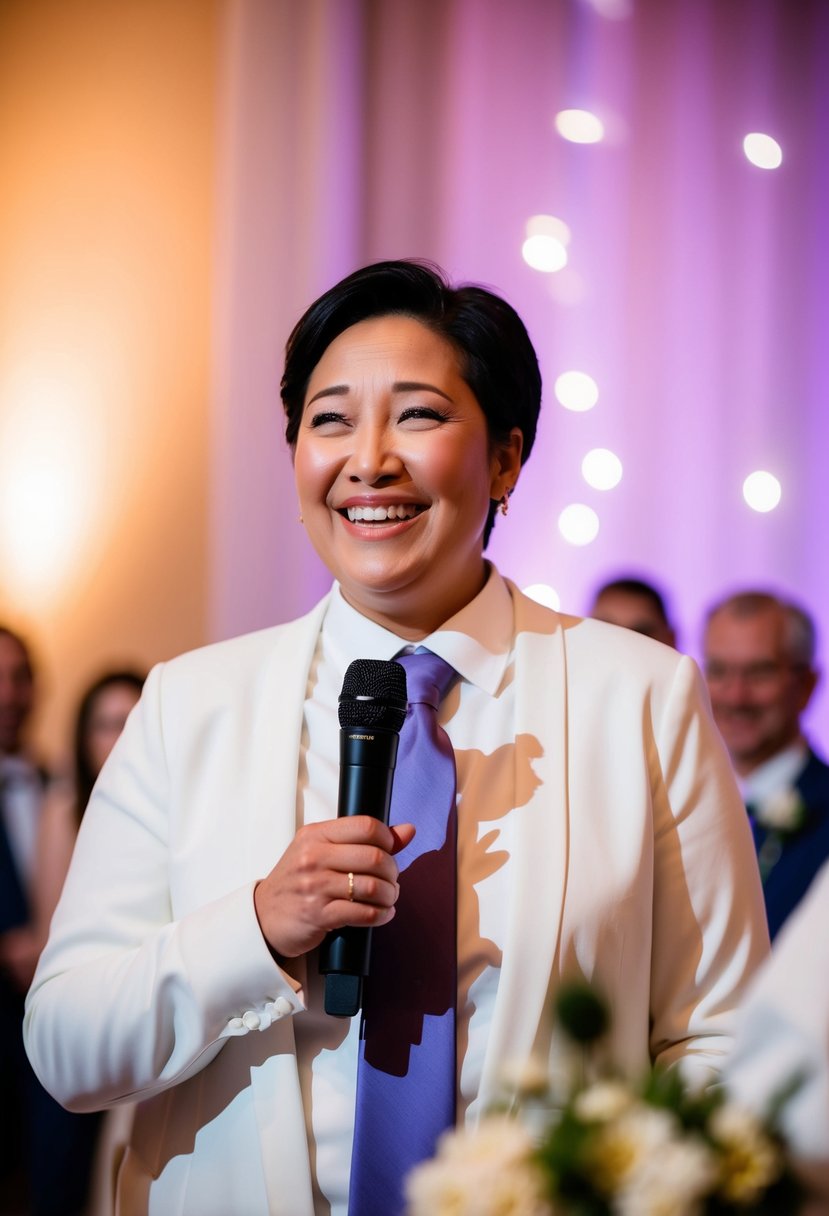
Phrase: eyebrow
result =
(399, 386)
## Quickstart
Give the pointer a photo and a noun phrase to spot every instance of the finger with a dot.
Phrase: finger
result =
(358, 916)
(404, 834)
(360, 829)
(357, 887)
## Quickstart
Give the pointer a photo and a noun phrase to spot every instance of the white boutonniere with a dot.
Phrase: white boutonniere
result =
(782, 815)
(783, 812)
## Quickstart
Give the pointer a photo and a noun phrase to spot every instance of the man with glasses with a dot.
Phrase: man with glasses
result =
(760, 668)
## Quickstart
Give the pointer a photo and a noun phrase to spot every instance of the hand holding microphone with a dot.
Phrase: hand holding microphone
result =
(372, 709)
(306, 894)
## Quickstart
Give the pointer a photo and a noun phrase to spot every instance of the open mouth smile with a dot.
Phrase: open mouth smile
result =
(382, 515)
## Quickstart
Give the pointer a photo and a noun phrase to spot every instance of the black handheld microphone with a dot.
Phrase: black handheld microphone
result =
(372, 709)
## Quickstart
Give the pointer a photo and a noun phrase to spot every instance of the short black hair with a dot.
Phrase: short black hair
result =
(497, 358)
(630, 585)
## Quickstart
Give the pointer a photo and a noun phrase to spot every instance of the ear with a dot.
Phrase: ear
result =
(505, 464)
(808, 683)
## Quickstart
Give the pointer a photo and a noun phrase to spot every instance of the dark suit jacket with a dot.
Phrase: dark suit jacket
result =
(804, 852)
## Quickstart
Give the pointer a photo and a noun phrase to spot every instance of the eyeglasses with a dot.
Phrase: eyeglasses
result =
(756, 675)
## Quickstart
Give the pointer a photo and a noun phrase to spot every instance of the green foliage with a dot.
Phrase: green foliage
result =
(583, 1014)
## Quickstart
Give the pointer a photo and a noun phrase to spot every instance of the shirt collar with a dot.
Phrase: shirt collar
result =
(477, 641)
(773, 775)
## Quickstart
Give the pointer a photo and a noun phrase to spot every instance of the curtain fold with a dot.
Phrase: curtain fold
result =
(695, 292)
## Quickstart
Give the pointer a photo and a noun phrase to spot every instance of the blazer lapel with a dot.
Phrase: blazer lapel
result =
(521, 1017)
(275, 1083)
(277, 731)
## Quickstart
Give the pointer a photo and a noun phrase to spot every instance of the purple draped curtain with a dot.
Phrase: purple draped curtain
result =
(695, 293)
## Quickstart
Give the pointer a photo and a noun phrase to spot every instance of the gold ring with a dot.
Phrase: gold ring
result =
(351, 886)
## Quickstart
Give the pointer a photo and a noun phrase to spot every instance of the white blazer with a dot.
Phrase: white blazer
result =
(633, 867)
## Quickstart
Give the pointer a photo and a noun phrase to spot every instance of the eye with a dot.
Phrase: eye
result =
(422, 417)
(330, 420)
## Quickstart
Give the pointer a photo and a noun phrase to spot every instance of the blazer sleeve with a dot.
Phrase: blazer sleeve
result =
(709, 928)
(131, 997)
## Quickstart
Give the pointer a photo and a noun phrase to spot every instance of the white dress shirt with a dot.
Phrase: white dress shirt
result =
(775, 775)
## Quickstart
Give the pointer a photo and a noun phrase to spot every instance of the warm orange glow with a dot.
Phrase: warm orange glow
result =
(107, 164)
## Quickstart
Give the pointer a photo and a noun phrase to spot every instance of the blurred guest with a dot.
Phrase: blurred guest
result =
(783, 1035)
(760, 667)
(21, 793)
(101, 716)
(47, 1151)
(90, 1148)
(634, 604)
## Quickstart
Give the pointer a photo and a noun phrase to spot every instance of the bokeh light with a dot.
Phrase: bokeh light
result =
(544, 252)
(762, 491)
(601, 469)
(544, 594)
(576, 391)
(763, 151)
(613, 10)
(51, 473)
(579, 126)
(578, 524)
(548, 225)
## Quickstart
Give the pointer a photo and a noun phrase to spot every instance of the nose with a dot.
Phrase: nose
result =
(732, 688)
(374, 458)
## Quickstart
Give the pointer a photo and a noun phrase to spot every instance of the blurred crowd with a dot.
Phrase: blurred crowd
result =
(49, 1158)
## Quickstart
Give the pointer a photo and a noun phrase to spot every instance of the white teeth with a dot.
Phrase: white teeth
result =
(381, 514)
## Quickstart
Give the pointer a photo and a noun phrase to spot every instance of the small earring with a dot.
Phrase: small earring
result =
(504, 504)
(301, 520)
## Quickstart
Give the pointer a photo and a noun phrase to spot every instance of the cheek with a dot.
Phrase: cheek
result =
(313, 472)
(99, 748)
(454, 469)
(781, 707)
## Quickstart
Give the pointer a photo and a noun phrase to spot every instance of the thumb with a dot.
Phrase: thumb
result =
(403, 834)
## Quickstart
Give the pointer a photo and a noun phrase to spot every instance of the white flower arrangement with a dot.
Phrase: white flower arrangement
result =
(609, 1148)
(491, 1172)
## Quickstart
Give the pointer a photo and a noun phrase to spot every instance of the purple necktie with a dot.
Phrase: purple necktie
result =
(406, 1071)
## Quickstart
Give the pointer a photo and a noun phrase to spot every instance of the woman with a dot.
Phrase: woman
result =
(599, 830)
(102, 713)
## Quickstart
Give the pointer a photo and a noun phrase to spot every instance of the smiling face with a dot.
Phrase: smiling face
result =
(757, 692)
(395, 470)
(107, 718)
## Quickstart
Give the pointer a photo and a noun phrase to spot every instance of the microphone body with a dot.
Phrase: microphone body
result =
(372, 709)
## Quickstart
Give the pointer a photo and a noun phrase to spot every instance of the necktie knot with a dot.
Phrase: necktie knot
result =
(428, 677)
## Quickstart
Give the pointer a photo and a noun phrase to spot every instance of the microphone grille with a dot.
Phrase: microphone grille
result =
(373, 695)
